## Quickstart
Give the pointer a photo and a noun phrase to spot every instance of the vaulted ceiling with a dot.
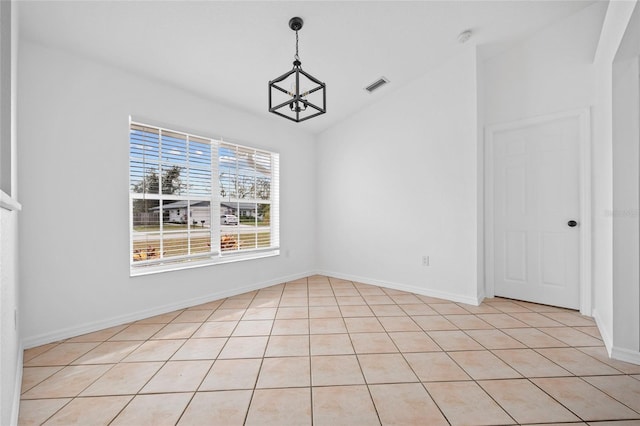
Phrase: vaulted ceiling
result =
(228, 50)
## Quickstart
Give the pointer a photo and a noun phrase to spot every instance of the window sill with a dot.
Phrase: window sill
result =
(137, 271)
(8, 203)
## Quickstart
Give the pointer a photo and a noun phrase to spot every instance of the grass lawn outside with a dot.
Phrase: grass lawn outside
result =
(251, 221)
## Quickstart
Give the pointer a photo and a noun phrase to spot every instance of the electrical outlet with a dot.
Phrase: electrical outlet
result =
(425, 260)
(287, 253)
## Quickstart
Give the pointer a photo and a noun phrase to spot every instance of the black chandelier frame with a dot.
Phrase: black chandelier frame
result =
(298, 102)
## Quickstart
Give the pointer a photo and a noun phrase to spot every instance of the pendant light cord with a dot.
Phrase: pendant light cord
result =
(297, 57)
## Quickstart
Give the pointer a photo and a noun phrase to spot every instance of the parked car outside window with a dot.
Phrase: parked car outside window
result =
(228, 219)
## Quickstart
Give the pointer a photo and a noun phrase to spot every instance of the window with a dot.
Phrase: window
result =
(179, 182)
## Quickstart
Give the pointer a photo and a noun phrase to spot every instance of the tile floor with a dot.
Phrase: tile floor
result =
(325, 351)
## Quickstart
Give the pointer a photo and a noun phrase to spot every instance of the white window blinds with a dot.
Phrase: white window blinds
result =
(199, 199)
(247, 191)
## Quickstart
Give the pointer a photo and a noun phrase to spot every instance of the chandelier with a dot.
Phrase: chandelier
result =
(296, 94)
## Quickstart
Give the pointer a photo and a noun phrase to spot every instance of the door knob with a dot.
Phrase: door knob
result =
(572, 223)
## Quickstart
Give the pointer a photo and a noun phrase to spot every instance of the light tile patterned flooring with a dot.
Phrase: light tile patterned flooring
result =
(325, 351)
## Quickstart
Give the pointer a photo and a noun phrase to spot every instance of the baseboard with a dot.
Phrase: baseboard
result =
(620, 354)
(606, 338)
(17, 386)
(405, 287)
(66, 333)
(626, 355)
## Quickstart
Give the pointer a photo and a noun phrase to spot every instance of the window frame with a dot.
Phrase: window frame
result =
(216, 255)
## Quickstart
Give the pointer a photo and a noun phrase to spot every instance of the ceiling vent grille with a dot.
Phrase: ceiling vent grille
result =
(376, 84)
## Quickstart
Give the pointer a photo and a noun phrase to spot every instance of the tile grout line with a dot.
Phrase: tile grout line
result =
(462, 368)
(412, 369)
(309, 347)
(308, 285)
(164, 363)
(521, 375)
(364, 378)
(83, 389)
(610, 396)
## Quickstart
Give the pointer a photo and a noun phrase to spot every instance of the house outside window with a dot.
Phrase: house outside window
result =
(179, 182)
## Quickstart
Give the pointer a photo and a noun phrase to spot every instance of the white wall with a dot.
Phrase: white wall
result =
(626, 192)
(614, 26)
(480, 176)
(398, 181)
(566, 66)
(549, 72)
(10, 347)
(10, 358)
(73, 169)
(626, 232)
(418, 147)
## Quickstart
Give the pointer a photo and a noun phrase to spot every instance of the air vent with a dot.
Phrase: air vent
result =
(376, 84)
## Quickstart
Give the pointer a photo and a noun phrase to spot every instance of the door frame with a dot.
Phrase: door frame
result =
(584, 123)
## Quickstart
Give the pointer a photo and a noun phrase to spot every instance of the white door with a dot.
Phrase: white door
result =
(536, 191)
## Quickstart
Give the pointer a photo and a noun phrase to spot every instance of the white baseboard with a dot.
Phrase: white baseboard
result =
(606, 338)
(405, 287)
(66, 333)
(17, 386)
(615, 352)
(626, 355)
(9, 203)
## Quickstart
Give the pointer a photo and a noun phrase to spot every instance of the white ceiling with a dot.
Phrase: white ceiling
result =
(229, 50)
